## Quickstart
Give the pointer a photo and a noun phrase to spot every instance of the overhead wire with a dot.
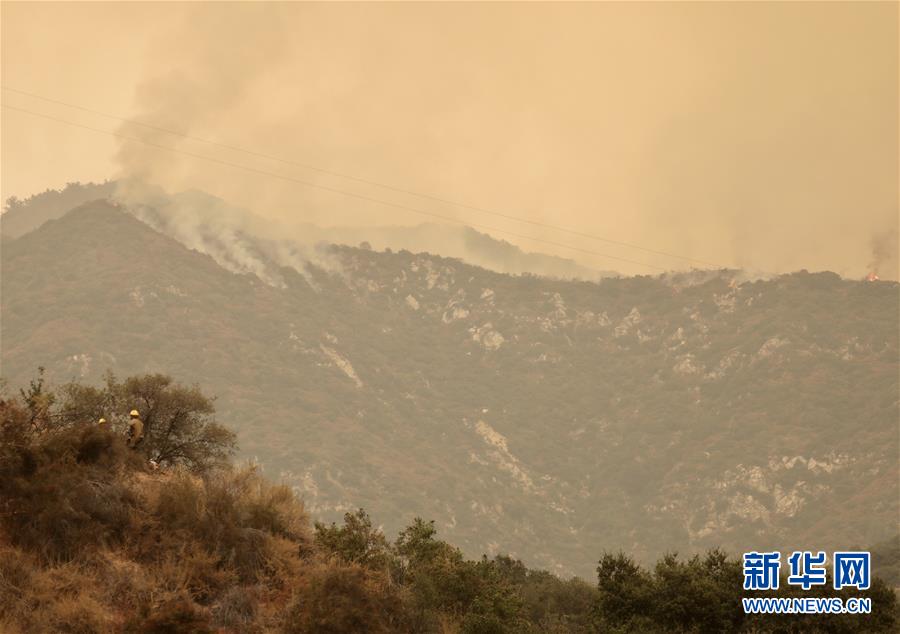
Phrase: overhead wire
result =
(334, 189)
(366, 181)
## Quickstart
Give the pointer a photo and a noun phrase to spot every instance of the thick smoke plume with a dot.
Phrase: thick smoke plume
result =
(220, 60)
(753, 135)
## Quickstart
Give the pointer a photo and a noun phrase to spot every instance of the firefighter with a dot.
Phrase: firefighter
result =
(135, 430)
(102, 423)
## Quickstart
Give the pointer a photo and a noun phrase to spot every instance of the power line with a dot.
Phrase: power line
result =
(330, 189)
(365, 181)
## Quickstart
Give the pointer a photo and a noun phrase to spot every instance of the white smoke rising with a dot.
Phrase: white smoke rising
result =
(236, 239)
(884, 254)
(244, 242)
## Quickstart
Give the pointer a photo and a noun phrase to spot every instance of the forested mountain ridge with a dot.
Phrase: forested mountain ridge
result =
(545, 418)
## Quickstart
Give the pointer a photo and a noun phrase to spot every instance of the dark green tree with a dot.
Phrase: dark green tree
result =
(179, 421)
(357, 541)
(626, 593)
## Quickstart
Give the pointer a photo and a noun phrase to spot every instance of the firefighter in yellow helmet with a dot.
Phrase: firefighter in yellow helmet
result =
(102, 423)
(135, 430)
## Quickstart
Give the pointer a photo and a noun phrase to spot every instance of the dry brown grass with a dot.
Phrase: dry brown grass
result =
(91, 541)
(336, 598)
(58, 598)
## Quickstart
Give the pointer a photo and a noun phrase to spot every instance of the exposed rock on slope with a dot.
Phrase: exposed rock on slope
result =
(546, 418)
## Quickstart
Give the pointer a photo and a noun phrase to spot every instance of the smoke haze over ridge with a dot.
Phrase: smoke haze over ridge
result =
(761, 136)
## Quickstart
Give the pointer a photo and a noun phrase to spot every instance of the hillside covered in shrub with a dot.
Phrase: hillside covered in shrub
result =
(94, 537)
(539, 417)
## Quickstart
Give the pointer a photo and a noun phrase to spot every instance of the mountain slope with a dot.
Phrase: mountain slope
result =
(21, 216)
(188, 215)
(546, 418)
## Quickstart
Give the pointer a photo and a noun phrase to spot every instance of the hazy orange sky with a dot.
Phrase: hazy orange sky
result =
(761, 135)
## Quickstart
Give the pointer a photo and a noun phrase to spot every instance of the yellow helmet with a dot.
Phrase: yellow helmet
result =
(101, 421)
(134, 412)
